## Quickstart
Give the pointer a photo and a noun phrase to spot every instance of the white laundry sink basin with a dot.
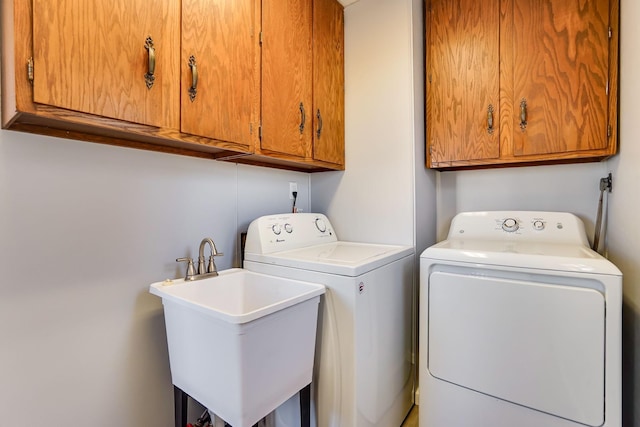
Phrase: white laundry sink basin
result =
(240, 343)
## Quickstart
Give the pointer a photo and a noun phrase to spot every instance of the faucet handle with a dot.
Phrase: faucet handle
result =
(190, 270)
(211, 267)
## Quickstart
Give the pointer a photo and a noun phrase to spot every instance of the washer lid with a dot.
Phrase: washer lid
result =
(342, 258)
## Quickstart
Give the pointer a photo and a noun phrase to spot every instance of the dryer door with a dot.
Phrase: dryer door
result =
(540, 345)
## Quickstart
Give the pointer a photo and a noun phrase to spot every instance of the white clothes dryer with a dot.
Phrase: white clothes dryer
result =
(364, 375)
(520, 325)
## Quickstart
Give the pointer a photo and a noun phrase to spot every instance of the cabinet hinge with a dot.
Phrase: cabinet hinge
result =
(259, 131)
(260, 38)
(610, 33)
(608, 131)
(607, 89)
(30, 70)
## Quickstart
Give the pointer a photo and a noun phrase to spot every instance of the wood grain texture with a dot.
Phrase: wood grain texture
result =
(561, 67)
(26, 116)
(105, 127)
(90, 57)
(462, 79)
(557, 55)
(8, 80)
(223, 37)
(328, 81)
(286, 162)
(614, 69)
(15, 67)
(286, 77)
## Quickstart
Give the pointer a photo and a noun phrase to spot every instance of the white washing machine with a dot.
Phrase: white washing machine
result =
(364, 375)
(520, 325)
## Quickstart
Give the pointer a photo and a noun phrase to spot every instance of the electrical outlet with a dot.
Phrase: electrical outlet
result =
(293, 186)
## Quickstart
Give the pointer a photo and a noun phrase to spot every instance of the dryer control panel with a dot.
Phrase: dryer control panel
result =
(532, 226)
(274, 233)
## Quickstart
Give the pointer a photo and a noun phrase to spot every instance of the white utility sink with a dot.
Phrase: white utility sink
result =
(240, 343)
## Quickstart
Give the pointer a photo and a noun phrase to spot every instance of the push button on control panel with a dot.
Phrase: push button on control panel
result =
(538, 225)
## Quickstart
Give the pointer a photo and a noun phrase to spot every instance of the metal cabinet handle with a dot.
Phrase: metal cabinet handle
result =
(150, 77)
(319, 117)
(523, 114)
(193, 90)
(303, 117)
(490, 119)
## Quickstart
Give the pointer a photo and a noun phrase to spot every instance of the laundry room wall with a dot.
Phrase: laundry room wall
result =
(84, 229)
(386, 195)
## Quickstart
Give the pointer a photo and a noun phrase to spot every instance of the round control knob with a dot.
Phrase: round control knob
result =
(288, 228)
(321, 225)
(276, 229)
(538, 225)
(510, 225)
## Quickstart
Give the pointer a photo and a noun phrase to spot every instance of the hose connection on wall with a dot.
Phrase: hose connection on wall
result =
(606, 185)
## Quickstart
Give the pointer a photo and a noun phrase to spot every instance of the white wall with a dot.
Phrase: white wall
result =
(84, 229)
(624, 223)
(374, 200)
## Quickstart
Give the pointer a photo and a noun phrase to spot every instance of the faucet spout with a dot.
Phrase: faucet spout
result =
(211, 267)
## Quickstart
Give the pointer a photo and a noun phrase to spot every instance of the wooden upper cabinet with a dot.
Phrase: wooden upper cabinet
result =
(303, 81)
(561, 70)
(220, 53)
(548, 68)
(287, 122)
(328, 81)
(228, 80)
(463, 80)
(92, 57)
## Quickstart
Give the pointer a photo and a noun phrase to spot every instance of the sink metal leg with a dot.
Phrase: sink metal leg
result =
(305, 406)
(180, 407)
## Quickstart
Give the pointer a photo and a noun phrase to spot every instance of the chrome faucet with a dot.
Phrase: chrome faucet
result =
(210, 271)
(211, 266)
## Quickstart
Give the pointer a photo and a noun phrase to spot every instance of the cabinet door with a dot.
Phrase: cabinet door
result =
(90, 57)
(286, 77)
(221, 37)
(328, 81)
(561, 72)
(462, 80)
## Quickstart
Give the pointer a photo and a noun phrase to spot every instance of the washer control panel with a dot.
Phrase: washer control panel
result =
(559, 227)
(274, 233)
